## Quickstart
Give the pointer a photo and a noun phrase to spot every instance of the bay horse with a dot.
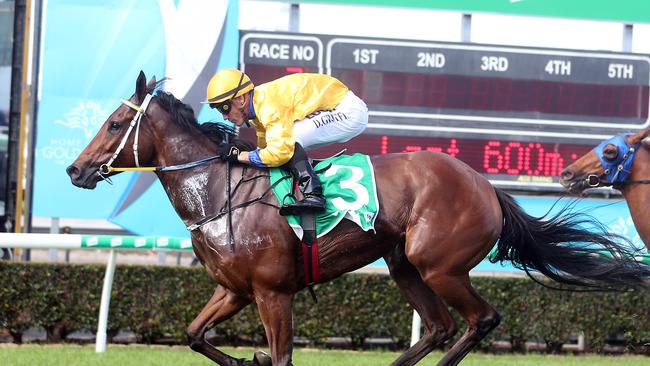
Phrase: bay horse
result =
(438, 219)
(600, 168)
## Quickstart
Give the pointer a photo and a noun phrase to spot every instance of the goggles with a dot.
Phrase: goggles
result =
(223, 107)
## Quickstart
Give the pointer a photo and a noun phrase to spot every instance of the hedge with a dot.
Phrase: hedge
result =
(157, 302)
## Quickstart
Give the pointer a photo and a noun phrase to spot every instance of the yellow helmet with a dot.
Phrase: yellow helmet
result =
(227, 84)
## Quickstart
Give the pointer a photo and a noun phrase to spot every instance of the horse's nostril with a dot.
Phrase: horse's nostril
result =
(72, 171)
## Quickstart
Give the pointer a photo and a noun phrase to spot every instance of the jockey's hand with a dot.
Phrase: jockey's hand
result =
(230, 152)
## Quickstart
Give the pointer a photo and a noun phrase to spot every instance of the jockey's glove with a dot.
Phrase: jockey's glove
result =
(230, 152)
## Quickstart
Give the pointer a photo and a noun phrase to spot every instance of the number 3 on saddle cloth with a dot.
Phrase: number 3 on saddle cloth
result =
(349, 185)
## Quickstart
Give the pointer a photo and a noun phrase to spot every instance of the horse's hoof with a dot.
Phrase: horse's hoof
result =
(243, 362)
(262, 359)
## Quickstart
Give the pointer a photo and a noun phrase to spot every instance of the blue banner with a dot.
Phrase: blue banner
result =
(92, 54)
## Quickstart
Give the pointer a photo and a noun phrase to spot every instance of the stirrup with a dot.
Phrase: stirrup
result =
(298, 208)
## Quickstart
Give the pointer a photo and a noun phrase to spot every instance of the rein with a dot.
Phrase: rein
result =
(167, 168)
(231, 235)
(641, 181)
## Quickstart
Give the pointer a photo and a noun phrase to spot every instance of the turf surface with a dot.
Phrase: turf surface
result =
(66, 355)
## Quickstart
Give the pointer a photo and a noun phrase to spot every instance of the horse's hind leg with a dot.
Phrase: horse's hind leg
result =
(439, 326)
(222, 305)
(445, 247)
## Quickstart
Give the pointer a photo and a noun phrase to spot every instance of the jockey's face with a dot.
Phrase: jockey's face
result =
(239, 110)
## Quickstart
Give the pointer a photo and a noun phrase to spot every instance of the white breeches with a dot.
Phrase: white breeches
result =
(338, 125)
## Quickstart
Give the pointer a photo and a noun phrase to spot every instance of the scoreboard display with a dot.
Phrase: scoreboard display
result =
(516, 115)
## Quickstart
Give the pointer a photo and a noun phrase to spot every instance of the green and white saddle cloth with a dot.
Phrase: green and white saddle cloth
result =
(348, 184)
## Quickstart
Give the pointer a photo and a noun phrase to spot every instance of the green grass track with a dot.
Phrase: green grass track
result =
(136, 355)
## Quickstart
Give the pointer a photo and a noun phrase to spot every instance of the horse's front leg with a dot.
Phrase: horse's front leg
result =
(222, 305)
(275, 310)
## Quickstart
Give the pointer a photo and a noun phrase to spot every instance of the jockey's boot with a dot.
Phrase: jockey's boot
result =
(309, 184)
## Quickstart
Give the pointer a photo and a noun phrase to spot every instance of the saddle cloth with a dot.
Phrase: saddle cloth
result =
(349, 186)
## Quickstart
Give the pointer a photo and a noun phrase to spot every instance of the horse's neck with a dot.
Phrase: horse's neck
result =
(637, 196)
(638, 201)
(191, 191)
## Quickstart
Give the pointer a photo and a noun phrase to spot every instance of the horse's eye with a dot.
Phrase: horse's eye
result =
(114, 126)
(610, 153)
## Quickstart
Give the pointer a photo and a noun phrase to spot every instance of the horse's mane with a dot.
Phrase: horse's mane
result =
(183, 114)
(217, 132)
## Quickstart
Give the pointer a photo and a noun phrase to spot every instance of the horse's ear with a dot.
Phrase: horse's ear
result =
(151, 85)
(646, 142)
(141, 87)
(645, 138)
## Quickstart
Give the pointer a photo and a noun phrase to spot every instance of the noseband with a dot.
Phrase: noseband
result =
(140, 111)
(616, 172)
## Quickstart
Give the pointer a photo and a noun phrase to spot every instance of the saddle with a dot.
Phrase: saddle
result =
(349, 187)
(315, 162)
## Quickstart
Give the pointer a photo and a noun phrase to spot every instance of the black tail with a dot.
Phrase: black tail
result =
(562, 248)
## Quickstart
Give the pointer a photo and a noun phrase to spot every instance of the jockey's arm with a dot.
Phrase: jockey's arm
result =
(278, 149)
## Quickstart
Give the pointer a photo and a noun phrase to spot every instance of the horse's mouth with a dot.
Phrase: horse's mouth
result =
(576, 186)
(89, 183)
(83, 178)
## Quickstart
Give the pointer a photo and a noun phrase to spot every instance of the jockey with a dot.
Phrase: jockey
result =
(291, 114)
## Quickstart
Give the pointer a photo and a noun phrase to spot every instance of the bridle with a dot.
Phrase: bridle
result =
(616, 172)
(140, 111)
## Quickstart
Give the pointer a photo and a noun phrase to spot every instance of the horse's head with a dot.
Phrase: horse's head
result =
(608, 164)
(117, 140)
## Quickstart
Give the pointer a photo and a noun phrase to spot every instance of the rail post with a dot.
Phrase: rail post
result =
(100, 341)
